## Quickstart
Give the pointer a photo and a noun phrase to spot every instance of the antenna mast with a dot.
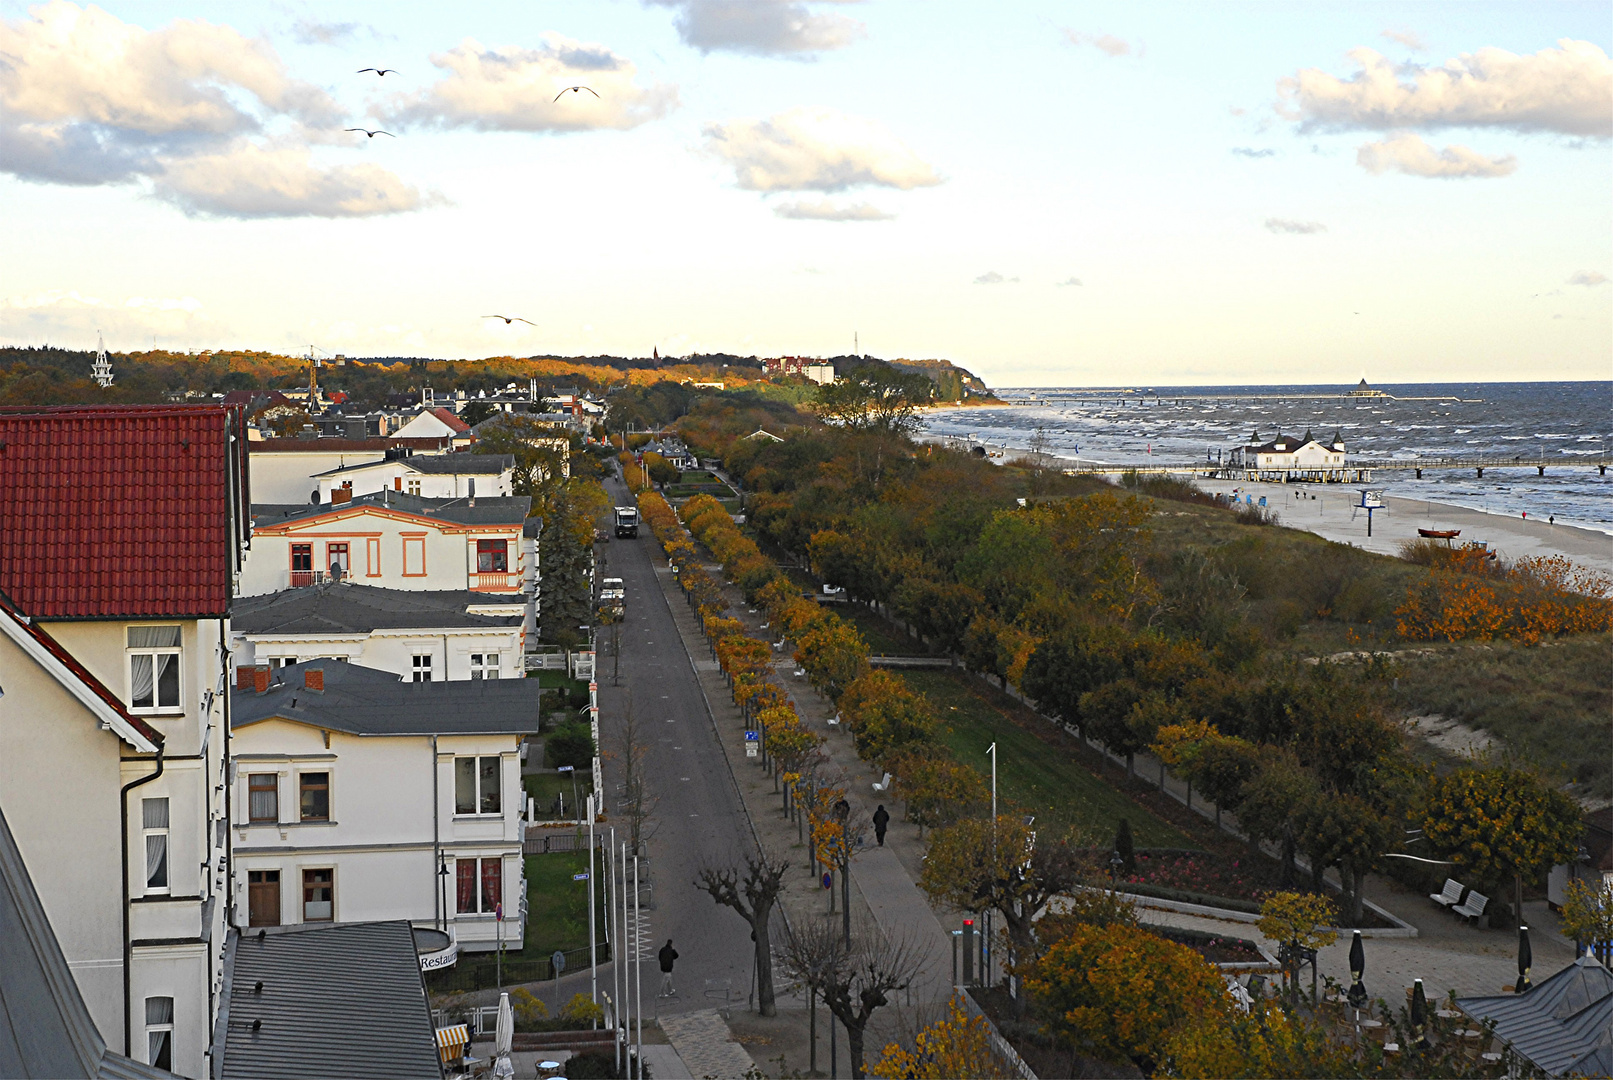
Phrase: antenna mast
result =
(101, 370)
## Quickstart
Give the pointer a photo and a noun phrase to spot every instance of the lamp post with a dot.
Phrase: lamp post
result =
(1116, 863)
(442, 888)
(843, 815)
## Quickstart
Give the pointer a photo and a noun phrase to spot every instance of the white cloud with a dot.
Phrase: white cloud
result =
(1251, 152)
(816, 149)
(66, 316)
(761, 27)
(1568, 90)
(88, 99)
(515, 89)
(1409, 38)
(991, 277)
(1107, 44)
(1409, 154)
(1068, 281)
(1588, 278)
(1294, 228)
(250, 181)
(829, 210)
(314, 32)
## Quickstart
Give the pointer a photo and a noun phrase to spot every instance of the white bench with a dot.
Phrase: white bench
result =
(884, 785)
(1476, 903)
(1449, 896)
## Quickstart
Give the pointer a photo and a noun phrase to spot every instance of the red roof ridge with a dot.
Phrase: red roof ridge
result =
(447, 416)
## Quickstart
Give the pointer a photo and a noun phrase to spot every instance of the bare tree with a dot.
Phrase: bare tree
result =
(853, 980)
(753, 893)
(631, 752)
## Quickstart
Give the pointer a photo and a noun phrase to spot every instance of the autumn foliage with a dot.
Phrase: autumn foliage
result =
(956, 1045)
(1468, 596)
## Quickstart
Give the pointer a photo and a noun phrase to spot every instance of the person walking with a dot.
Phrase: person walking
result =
(882, 820)
(668, 956)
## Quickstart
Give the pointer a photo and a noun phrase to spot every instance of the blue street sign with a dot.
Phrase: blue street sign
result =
(580, 877)
(753, 736)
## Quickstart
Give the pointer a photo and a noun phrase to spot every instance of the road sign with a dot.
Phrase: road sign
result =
(559, 961)
(580, 877)
(753, 736)
(752, 749)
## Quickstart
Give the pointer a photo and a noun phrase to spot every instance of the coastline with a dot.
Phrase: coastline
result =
(1327, 511)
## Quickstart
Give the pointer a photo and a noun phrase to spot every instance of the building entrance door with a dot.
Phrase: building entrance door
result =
(263, 897)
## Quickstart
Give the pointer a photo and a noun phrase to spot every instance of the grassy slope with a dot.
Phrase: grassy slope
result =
(1032, 772)
(1552, 705)
(558, 906)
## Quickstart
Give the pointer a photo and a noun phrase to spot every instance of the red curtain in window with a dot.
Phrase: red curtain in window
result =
(466, 882)
(492, 880)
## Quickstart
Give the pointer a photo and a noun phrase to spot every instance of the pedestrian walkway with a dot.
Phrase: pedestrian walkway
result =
(664, 1063)
(705, 1045)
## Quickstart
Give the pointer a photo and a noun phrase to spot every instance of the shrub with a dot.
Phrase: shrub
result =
(571, 744)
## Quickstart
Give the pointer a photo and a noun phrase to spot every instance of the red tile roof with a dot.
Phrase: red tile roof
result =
(455, 424)
(127, 511)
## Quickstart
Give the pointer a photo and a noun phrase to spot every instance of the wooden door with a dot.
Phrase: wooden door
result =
(263, 897)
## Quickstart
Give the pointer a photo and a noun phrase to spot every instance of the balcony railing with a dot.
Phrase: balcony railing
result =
(301, 579)
(495, 582)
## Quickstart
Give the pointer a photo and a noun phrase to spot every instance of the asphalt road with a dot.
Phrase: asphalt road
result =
(697, 815)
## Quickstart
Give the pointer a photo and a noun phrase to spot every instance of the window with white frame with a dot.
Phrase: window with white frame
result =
(263, 799)
(160, 1032)
(154, 827)
(484, 665)
(478, 783)
(153, 668)
(318, 895)
(413, 486)
(420, 667)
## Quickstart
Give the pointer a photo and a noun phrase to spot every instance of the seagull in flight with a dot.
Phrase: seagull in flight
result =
(574, 89)
(508, 319)
(380, 72)
(372, 134)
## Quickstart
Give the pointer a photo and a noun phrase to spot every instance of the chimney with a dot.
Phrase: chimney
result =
(244, 676)
(341, 495)
(260, 678)
(472, 490)
(314, 679)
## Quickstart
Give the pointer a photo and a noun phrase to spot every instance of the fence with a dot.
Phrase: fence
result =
(481, 971)
(555, 841)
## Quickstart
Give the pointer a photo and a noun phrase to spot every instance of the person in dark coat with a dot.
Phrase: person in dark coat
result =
(882, 820)
(668, 956)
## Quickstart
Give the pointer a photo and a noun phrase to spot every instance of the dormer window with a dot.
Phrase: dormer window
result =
(153, 653)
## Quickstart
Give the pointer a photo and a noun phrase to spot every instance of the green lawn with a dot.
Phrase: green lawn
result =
(557, 906)
(1035, 774)
(542, 787)
(883, 637)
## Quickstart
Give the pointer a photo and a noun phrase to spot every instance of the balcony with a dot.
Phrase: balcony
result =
(302, 579)
(499, 581)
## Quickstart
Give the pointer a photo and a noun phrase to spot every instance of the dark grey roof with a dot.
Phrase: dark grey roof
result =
(364, 701)
(447, 464)
(45, 1028)
(343, 1000)
(489, 510)
(1564, 1024)
(348, 608)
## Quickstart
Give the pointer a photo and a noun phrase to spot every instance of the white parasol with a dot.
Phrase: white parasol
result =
(503, 1036)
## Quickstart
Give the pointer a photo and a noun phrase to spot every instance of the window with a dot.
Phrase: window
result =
(372, 556)
(263, 897)
(484, 665)
(336, 559)
(414, 556)
(302, 557)
(471, 899)
(314, 792)
(160, 1031)
(414, 487)
(492, 556)
(421, 667)
(318, 895)
(154, 668)
(154, 825)
(477, 785)
(263, 798)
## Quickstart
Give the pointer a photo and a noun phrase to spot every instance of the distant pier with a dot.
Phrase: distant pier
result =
(1357, 473)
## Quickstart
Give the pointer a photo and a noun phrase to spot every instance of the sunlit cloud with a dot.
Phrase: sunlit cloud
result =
(1251, 152)
(991, 277)
(1068, 282)
(1588, 278)
(761, 27)
(1294, 228)
(1409, 154)
(1108, 44)
(829, 210)
(816, 149)
(1409, 38)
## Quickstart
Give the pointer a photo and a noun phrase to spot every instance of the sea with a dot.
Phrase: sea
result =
(1189, 426)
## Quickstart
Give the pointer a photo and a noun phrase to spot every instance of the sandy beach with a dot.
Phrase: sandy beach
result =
(1327, 510)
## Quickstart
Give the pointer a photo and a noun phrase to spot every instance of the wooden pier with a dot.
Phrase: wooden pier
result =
(1357, 473)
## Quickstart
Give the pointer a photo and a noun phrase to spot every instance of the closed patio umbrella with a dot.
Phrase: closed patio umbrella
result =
(1526, 959)
(1358, 966)
(1419, 1016)
(503, 1036)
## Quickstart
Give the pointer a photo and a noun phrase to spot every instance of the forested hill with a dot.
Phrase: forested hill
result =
(48, 375)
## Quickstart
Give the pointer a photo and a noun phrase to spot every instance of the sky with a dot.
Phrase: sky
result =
(1045, 193)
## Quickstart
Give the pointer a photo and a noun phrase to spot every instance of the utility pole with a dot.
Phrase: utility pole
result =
(593, 936)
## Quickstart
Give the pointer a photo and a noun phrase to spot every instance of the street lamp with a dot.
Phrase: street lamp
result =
(843, 815)
(1116, 863)
(442, 888)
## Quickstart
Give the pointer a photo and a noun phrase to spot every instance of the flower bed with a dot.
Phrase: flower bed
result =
(1216, 948)
(1201, 872)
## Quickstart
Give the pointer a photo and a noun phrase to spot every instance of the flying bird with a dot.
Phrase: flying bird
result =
(380, 72)
(574, 89)
(372, 134)
(508, 319)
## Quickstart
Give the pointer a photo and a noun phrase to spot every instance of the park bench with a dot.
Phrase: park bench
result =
(884, 785)
(1450, 896)
(1476, 903)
